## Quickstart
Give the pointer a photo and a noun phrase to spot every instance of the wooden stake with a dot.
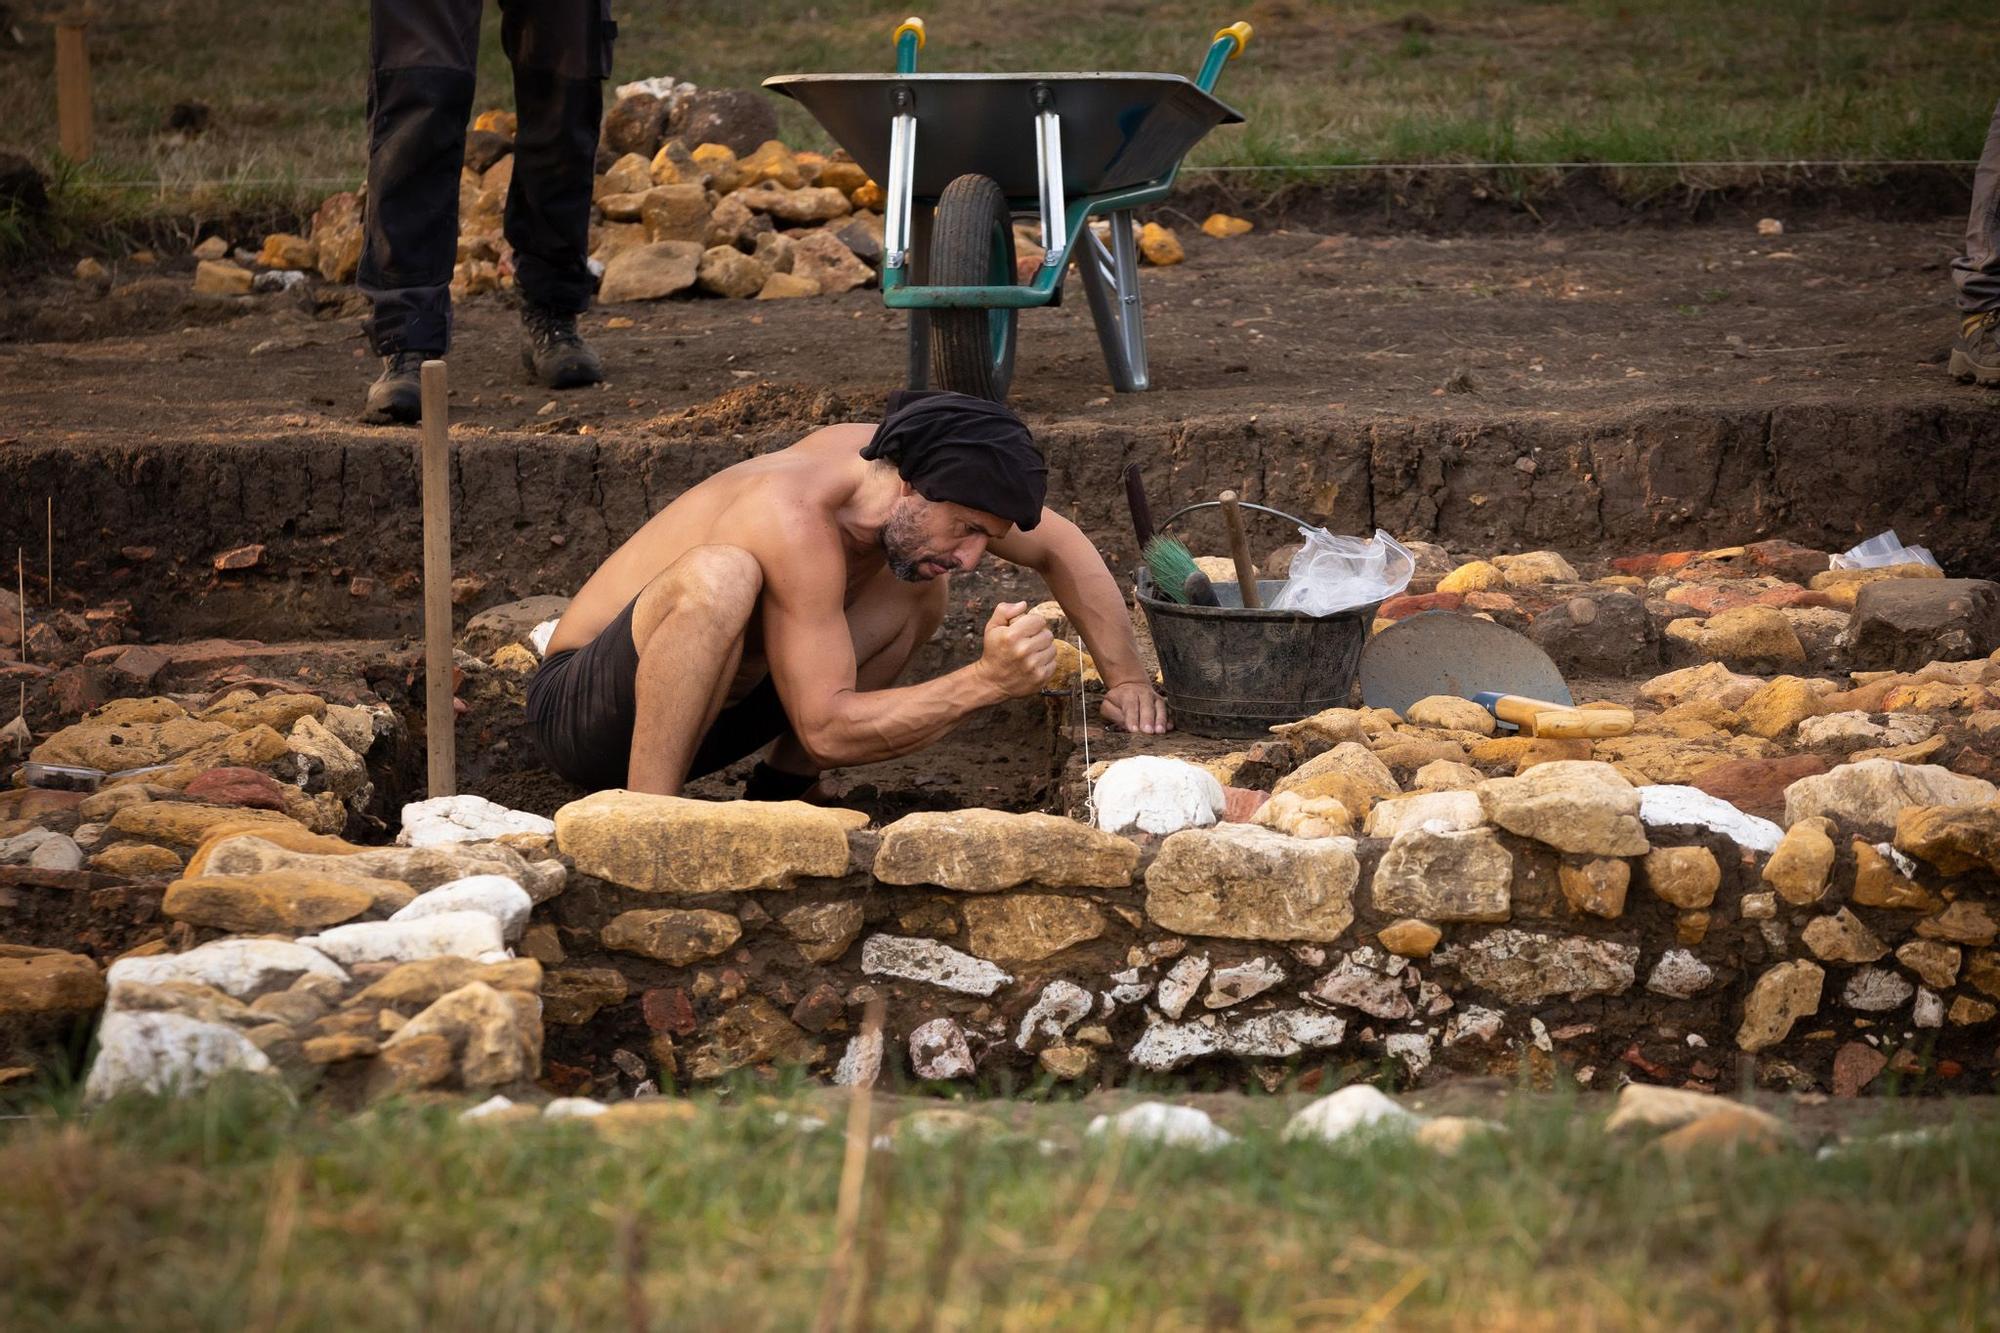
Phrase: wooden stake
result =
(51, 530)
(73, 119)
(440, 720)
(21, 597)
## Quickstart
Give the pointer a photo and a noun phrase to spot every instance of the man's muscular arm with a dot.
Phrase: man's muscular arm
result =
(1077, 576)
(811, 655)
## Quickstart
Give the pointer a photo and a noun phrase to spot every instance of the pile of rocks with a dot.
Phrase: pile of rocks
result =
(695, 194)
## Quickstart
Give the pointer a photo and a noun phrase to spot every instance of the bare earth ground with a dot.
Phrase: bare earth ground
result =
(1409, 326)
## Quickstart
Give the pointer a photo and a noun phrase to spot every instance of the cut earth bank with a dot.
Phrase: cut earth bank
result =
(1787, 873)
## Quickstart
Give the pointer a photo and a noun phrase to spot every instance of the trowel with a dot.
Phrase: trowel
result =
(1447, 652)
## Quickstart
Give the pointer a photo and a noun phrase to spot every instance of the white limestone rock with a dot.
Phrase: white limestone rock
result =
(1668, 804)
(1176, 988)
(446, 935)
(1168, 1046)
(938, 1051)
(496, 895)
(448, 819)
(1154, 794)
(1164, 1124)
(916, 959)
(164, 1052)
(241, 969)
(1680, 975)
(1359, 1110)
(1060, 1007)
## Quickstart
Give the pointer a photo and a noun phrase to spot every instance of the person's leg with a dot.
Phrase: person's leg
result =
(888, 623)
(561, 54)
(688, 626)
(421, 62)
(1975, 355)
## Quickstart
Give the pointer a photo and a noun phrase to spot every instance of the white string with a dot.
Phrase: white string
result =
(1083, 727)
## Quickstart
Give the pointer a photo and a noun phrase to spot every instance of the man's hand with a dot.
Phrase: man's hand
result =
(1136, 706)
(1020, 653)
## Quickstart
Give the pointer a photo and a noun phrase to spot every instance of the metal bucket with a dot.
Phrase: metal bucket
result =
(1235, 673)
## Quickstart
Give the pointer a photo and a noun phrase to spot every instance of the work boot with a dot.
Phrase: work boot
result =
(1975, 355)
(554, 352)
(396, 397)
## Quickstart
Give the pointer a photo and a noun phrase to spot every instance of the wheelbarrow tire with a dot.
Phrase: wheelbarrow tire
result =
(972, 245)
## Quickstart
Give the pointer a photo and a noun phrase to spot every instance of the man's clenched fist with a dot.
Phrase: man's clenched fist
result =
(1020, 653)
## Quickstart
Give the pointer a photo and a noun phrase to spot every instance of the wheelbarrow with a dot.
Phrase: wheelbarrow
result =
(1064, 148)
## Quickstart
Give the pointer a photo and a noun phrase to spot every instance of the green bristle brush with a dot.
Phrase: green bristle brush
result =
(1169, 562)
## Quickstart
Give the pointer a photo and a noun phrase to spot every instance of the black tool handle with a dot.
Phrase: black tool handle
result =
(1142, 512)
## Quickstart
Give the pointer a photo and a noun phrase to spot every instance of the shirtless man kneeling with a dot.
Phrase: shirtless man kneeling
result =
(777, 602)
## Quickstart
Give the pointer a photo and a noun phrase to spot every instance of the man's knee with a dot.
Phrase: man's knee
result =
(716, 583)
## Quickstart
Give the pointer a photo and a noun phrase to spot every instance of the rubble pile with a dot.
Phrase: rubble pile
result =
(694, 195)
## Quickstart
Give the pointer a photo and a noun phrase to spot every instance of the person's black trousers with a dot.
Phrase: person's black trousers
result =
(422, 55)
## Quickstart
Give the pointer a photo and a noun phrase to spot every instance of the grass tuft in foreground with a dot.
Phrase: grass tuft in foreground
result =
(238, 1209)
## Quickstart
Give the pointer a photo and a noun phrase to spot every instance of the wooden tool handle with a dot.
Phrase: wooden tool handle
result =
(1539, 717)
(440, 717)
(1239, 551)
(1142, 512)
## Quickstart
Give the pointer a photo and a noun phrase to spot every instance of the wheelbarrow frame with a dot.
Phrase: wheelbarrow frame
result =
(1110, 272)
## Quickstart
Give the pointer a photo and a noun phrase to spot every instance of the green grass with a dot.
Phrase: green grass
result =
(237, 1210)
(1343, 83)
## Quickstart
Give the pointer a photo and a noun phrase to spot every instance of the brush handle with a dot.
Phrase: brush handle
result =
(1142, 512)
(1198, 591)
(1239, 551)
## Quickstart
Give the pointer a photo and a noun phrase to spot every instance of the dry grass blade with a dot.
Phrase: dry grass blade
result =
(853, 1182)
(951, 1235)
(632, 1256)
(1385, 1305)
(281, 1213)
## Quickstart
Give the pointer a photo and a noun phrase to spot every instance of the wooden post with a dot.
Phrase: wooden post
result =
(440, 718)
(73, 120)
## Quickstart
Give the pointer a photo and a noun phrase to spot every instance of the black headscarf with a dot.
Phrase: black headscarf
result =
(956, 449)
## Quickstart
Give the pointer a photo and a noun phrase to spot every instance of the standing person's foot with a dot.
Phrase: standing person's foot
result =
(1975, 356)
(396, 398)
(554, 352)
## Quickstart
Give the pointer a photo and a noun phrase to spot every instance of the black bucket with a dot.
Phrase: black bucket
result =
(1235, 673)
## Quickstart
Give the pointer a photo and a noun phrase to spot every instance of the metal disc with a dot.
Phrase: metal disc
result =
(1446, 652)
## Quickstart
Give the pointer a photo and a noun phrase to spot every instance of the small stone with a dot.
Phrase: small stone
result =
(1067, 1064)
(1360, 982)
(677, 938)
(820, 257)
(823, 931)
(1680, 975)
(668, 1009)
(1523, 967)
(1799, 868)
(650, 272)
(931, 962)
(784, 286)
(1222, 226)
(575, 995)
(1028, 927)
(1474, 576)
(676, 213)
(1841, 938)
(1878, 884)
(1596, 887)
(1961, 923)
(282, 250)
(1966, 1011)
(1300, 816)
(861, 1063)
(1782, 996)
(728, 272)
(938, 1051)
(1409, 938)
(221, 277)
(1731, 1129)
(49, 982)
(1876, 990)
(1358, 1110)
(1446, 775)
(1955, 839)
(1179, 985)
(1159, 246)
(450, 934)
(1535, 567)
(1902, 624)
(1463, 876)
(1778, 707)
(1935, 962)
(1855, 1066)
(1745, 638)
(136, 860)
(1274, 1036)
(1244, 981)
(1450, 712)
(1683, 876)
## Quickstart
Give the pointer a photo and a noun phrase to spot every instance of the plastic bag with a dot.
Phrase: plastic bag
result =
(1882, 550)
(1331, 574)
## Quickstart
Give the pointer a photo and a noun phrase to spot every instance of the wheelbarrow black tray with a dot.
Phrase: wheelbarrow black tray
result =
(1120, 130)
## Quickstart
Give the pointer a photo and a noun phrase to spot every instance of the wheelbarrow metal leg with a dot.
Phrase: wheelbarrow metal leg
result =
(1049, 166)
(1111, 280)
(902, 179)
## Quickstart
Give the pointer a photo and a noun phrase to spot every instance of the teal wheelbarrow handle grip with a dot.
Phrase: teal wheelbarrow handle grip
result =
(1226, 46)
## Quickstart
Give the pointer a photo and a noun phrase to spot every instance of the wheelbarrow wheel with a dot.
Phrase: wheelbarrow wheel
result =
(972, 245)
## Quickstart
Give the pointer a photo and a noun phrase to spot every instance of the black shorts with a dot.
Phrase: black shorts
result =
(583, 702)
